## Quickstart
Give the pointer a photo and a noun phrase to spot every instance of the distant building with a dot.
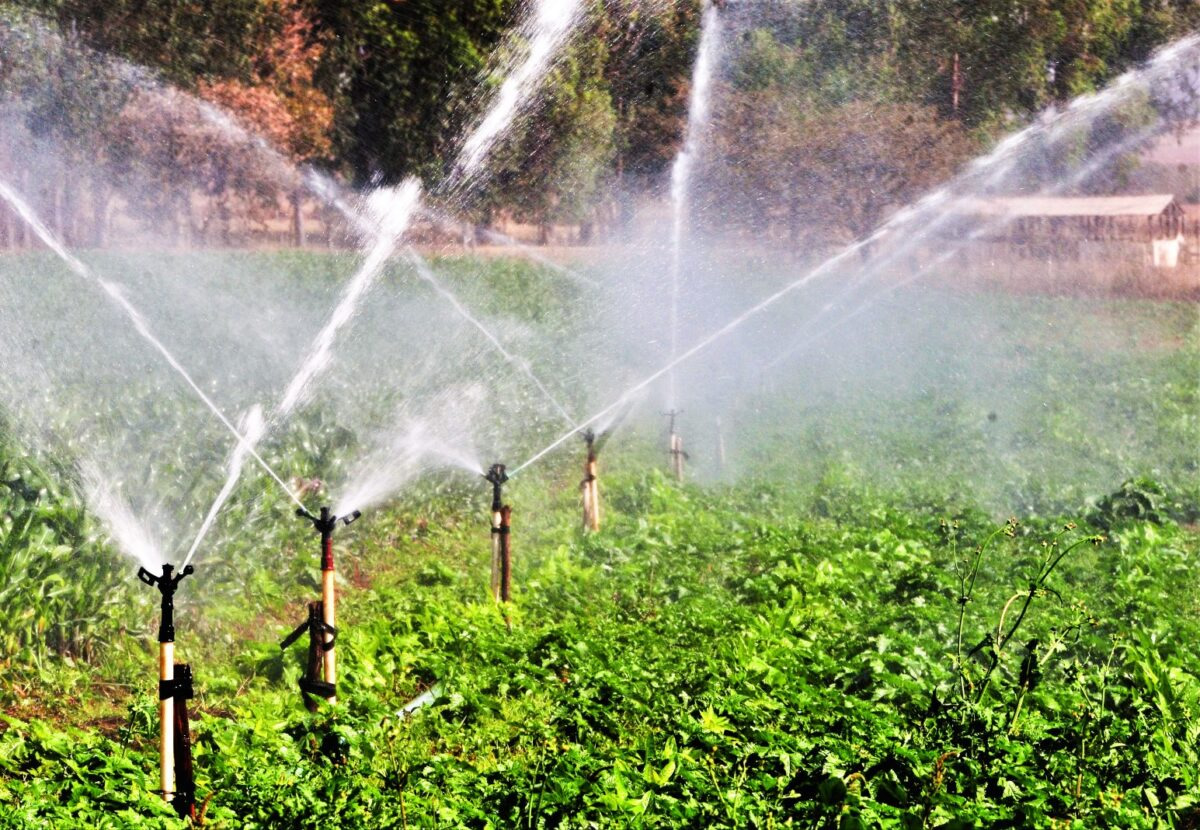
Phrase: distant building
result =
(1133, 218)
(1153, 229)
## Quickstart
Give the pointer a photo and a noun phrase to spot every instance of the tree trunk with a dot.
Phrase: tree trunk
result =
(5, 229)
(297, 197)
(100, 197)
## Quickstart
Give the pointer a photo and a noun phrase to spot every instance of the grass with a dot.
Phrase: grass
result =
(844, 632)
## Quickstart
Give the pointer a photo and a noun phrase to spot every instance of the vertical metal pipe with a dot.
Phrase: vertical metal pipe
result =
(675, 447)
(590, 486)
(593, 486)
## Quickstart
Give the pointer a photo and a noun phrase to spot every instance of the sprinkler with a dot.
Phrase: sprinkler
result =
(320, 678)
(174, 689)
(675, 446)
(501, 553)
(590, 486)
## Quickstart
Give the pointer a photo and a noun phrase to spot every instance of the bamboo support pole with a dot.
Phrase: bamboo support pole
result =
(497, 553)
(166, 719)
(593, 489)
(329, 617)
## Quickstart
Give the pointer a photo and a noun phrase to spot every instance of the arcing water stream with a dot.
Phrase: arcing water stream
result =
(546, 29)
(392, 210)
(426, 273)
(950, 248)
(116, 295)
(699, 107)
(1178, 60)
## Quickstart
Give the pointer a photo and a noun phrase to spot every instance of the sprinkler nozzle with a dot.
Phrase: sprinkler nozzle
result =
(167, 585)
(352, 517)
(497, 477)
(594, 441)
(325, 524)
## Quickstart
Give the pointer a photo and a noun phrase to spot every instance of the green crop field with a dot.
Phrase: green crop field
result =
(839, 628)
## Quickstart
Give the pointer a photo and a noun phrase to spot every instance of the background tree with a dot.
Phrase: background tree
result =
(280, 100)
(403, 76)
(554, 168)
(379, 91)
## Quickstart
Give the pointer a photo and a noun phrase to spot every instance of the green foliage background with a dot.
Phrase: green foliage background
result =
(835, 641)
(404, 80)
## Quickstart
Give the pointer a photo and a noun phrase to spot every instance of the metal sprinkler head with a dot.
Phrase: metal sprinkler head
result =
(497, 476)
(325, 524)
(595, 441)
(167, 585)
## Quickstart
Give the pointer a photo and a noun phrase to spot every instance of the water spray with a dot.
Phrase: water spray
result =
(116, 294)
(675, 445)
(320, 676)
(501, 552)
(720, 445)
(987, 169)
(174, 690)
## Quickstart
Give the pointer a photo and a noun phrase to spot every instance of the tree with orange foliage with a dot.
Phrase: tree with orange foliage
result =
(281, 101)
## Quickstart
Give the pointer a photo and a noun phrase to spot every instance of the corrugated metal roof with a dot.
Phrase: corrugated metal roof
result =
(1017, 206)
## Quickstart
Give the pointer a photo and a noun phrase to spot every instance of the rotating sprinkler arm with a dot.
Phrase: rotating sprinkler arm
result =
(325, 525)
(167, 585)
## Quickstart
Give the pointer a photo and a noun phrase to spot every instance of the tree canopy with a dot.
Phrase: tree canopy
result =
(883, 97)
